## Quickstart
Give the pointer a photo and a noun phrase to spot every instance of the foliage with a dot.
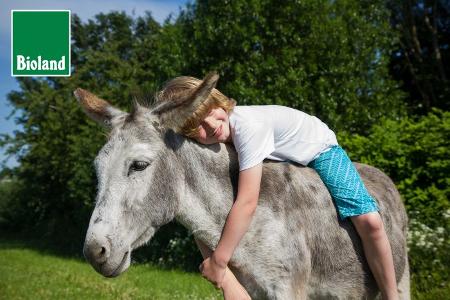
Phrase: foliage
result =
(172, 247)
(327, 58)
(428, 250)
(421, 59)
(414, 152)
(7, 188)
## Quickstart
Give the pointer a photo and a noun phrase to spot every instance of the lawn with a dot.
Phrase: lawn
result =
(31, 274)
(27, 273)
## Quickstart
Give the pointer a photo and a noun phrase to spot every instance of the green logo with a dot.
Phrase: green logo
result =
(40, 42)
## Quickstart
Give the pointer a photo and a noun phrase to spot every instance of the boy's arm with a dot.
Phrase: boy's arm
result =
(240, 215)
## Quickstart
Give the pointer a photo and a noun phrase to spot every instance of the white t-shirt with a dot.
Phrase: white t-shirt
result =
(279, 133)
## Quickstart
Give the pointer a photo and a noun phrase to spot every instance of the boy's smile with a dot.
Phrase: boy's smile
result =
(215, 128)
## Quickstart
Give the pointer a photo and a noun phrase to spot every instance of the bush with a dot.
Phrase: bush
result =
(428, 250)
(414, 153)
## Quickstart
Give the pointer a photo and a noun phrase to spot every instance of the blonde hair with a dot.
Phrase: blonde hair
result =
(181, 88)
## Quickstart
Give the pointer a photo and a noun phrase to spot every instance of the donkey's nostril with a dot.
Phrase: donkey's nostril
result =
(102, 253)
(96, 250)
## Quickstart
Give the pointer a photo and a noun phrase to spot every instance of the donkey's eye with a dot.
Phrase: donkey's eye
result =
(138, 165)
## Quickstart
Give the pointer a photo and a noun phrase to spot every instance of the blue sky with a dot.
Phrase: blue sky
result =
(85, 9)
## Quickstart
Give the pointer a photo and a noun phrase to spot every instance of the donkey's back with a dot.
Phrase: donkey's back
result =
(300, 248)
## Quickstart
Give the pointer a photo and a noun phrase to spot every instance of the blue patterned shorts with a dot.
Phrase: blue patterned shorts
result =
(344, 183)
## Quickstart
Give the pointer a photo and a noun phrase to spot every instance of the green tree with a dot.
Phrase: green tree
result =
(421, 58)
(328, 58)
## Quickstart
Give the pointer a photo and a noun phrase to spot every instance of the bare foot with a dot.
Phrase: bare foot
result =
(232, 289)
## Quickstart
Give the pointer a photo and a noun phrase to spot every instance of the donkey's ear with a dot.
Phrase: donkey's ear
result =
(97, 109)
(173, 114)
(204, 89)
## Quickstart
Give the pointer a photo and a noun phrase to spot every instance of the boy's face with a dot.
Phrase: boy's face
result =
(215, 128)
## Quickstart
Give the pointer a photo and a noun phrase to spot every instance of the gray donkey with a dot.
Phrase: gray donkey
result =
(296, 246)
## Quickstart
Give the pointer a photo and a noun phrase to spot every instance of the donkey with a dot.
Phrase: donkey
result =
(296, 246)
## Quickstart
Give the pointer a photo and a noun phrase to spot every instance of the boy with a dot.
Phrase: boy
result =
(285, 134)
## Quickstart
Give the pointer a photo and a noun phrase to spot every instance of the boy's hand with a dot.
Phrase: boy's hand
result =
(213, 272)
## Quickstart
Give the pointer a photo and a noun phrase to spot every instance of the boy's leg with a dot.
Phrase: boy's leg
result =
(353, 200)
(231, 288)
(378, 252)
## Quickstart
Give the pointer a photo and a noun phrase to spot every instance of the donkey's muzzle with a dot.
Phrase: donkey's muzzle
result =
(97, 250)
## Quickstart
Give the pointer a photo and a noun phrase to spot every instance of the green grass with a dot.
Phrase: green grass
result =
(27, 273)
(438, 293)
(30, 274)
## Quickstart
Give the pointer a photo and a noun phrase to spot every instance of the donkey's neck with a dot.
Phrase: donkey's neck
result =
(210, 186)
